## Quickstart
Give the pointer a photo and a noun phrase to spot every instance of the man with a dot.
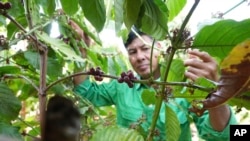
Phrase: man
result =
(213, 125)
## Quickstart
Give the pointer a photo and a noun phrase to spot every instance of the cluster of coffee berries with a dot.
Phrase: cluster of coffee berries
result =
(185, 36)
(5, 6)
(127, 77)
(97, 73)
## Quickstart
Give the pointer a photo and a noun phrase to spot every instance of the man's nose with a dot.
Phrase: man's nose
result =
(140, 56)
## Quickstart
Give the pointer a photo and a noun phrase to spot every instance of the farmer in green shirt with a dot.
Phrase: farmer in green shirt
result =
(212, 126)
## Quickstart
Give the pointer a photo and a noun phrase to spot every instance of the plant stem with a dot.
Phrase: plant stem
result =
(234, 7)
(186, 21)
(42, 92)
(168, 60)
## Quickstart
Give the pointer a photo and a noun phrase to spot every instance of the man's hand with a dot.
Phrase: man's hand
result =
(201, 64)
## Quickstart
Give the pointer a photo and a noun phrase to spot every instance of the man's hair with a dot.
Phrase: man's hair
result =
(132, 36)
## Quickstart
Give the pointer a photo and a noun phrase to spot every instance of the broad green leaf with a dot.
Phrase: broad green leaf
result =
(116, 134)
(10, 131)
(9, 70)
(12, 28)
(35, 13)
(16, 6)
(33, 58)
(131, 12)
(175, 6)
(154, 19)
(53, 65)
(149, 96)
(176, 72)
(51, 7)
(94, 11)
(10, 105)
(61, 47)
(172, 124)
(219, 39)
(70, 7)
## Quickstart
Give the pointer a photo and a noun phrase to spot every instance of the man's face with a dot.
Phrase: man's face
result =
(139, 57)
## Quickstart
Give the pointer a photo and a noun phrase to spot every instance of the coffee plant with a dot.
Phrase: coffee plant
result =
(34, 66)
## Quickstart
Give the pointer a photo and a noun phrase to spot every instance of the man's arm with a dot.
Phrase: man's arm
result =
(78, 79)
(201, 64)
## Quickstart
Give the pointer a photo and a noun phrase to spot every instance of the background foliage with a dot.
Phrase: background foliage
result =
(20, 59)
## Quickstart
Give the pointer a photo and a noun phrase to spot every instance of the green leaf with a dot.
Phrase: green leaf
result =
(48, 6)
(2, 21)
(53, 65)
(131, 12)
(94, 11)
(148, 96)
(33, 58)
(10, 105)
(175, 6)
(70, 7)
(118, 10)
(9, 70)
(241, 101)
(12, 28)
(219, 39)
(9, 131)
(176, 72)
(17, 9)
(173, 129)
(154, 19)
(61, 47)
(116, 134)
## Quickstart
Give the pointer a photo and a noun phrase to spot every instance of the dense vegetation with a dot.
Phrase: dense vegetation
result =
(35, 66)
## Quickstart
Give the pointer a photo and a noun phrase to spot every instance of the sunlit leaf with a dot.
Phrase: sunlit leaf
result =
(95, 12)
(117, 134)
(60, 47)
(175, 6)
(10, 105)
(172, 124)
(219, 39)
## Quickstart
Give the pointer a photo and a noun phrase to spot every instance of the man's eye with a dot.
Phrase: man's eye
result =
(130, 53)
(145, 48)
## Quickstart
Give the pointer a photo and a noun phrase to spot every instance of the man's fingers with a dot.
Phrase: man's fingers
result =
(204, 56)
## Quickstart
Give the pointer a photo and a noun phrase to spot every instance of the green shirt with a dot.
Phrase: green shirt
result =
(130, 107)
